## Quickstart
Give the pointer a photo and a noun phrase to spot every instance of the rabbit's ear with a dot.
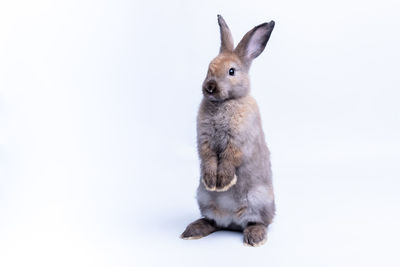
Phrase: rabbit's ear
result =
(254, 42)
(226, 36)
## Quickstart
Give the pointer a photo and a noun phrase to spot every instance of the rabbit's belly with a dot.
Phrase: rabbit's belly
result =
(223, 210)
(226, 209)
(232, 209)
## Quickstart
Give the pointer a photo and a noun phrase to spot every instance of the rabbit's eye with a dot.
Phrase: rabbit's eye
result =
(231, 71)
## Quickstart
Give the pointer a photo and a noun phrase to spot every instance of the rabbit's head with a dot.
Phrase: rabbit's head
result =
(227, 75)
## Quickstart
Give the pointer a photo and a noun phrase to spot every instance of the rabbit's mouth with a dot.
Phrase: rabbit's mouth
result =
(209, 91)
(215, 98)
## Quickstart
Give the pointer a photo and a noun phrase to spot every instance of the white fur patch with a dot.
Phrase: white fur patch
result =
(262, 242)
(191, 237)
(232, 183)
(208, 188)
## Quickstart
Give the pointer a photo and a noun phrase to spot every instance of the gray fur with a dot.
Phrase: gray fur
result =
(253, 189)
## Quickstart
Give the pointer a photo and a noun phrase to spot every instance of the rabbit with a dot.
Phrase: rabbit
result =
(235, 190)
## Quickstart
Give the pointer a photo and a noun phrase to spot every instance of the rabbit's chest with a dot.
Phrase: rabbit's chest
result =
(219, 131)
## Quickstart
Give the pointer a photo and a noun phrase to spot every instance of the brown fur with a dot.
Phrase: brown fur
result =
(232, 154)
(210, 160)
(240, 211)
(198, 229)
(221, 63)
(245, 108)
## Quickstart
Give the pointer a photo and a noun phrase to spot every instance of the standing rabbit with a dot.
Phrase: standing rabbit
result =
(235, 191)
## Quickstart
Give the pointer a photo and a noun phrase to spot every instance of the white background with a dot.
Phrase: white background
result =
(98, 161)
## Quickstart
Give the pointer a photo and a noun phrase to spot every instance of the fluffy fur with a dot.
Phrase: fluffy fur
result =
(235, 190)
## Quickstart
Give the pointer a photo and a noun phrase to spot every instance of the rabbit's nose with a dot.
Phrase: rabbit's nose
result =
(211, 86)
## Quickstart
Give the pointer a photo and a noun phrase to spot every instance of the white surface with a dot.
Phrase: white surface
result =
(98, 99)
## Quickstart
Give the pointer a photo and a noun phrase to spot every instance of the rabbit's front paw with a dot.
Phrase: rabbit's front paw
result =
(209, 180)
(226, 178)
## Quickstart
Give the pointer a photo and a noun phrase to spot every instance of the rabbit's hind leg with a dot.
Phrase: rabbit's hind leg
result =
(255, 234)
(198, 229)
